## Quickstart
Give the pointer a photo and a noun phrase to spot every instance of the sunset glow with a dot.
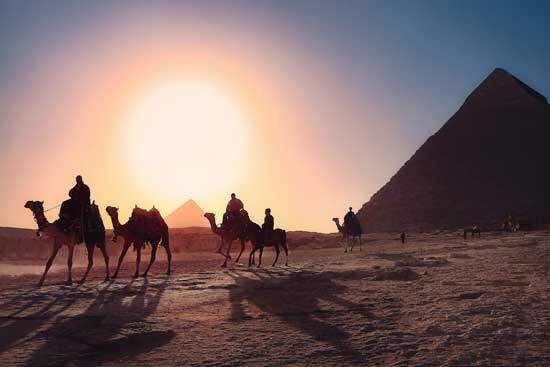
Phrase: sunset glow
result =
(186, 136)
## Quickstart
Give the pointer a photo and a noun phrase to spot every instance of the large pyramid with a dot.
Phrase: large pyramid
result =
(490, 158)
(187, 215)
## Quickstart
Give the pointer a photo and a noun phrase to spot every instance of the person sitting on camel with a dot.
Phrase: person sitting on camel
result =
(349, 218)
(267, 227)
(233, 209)
(80, 192)
(72, 210)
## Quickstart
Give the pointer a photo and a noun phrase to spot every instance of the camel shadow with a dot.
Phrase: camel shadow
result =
(296, 299)
(111, 328)
(14, 328)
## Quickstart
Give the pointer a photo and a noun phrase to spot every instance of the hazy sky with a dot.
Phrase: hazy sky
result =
(313, 104)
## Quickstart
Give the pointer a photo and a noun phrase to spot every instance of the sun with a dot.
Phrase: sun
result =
(185, 138)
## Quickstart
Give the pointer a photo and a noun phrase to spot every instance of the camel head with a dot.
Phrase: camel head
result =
(37, 207)
(112, 211)
(336, 220)
(210, 216)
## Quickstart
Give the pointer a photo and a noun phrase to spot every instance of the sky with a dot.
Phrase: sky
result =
(306, 107)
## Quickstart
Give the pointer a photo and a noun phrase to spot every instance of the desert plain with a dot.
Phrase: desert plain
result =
(437, 300)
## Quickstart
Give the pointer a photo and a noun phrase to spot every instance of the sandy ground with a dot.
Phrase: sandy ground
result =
(435, 301)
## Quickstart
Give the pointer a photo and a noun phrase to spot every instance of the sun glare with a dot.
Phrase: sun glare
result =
(185, 138)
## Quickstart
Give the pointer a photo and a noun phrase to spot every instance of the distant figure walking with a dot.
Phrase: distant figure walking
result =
(403, 237)
(474, 229)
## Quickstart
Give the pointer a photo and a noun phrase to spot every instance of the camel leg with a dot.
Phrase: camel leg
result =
(240, 253)
(277, 255)
(103, 250)
(227, 256)
(169, 256)
(138, 259)
(56, 247)
(121, 257)
(90, 249)
(285, 247)
(70, 264)
(251, 257)
(153, 257)
(260, 257)
(360, 249)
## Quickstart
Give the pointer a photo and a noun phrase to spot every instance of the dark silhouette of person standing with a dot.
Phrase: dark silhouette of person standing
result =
(403, 237)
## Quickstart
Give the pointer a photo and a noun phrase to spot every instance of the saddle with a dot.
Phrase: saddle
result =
(73, 216)
(234, 220)
(147, 221)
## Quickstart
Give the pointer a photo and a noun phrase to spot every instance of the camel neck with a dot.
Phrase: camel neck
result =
(41, 220)
(213, 226)
(117, 227)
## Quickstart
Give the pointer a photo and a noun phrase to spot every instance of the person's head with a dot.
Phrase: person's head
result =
(350, 209)
(233, 196)
(78, 179)
(267, 211)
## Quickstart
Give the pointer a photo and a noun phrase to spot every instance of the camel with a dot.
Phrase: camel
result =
(228, 235)
(69, 239)
(139, 231)
(256, 236)
(349, 235)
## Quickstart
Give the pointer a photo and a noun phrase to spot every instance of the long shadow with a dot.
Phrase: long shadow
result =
(15, 328)
(296, 298)
(111, 328)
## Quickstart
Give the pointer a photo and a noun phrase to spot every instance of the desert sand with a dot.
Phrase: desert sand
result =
(438, 300)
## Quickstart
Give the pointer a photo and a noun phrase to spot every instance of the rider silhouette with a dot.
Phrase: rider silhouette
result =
(232, 211)
(349, 218)
(80, 192)
(72, 210)
(268, 225)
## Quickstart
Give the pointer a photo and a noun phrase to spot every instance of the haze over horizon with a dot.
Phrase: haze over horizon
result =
(306, 108)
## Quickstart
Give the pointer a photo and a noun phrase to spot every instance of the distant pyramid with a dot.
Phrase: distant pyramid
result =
(491, 157)
(187, 215)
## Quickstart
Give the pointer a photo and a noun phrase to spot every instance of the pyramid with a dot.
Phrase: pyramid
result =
(489, 159)
(187, 215)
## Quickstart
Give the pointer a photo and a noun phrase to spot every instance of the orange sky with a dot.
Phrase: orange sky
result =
(72, 119)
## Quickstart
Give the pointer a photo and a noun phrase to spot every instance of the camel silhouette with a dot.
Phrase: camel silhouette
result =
(350, 235)
(258, 239)
(228, 235)
(69, 239)
(142, 227)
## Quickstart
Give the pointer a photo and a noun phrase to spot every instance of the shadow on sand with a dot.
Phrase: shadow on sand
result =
(112, 327)
(296, 300)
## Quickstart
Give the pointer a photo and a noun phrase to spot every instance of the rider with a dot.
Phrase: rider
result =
(73, 209)
(268, 225)
(234, 206)
(349, 218)
(80, 192)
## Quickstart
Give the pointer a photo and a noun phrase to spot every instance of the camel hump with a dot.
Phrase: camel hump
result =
(148, 220)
